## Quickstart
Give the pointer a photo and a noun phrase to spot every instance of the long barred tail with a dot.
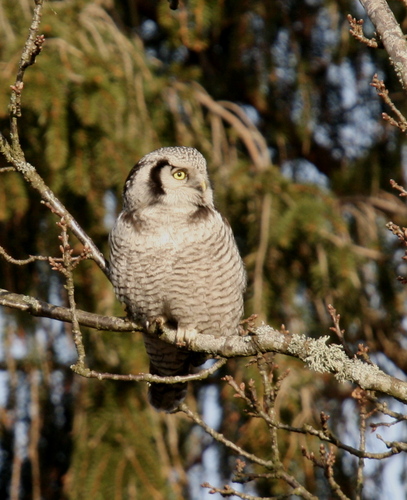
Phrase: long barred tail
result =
(167, 397)
(166, 360)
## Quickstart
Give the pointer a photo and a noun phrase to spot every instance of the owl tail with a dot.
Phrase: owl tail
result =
(167, 397)
(166, 360)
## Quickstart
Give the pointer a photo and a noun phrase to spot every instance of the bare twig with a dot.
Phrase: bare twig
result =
(13, 153)
(21, 262)
(269, 464)
(329, 462)
(147, 377)
(356, 30)
(382, 91)
(360, 397)
(401, 189)
(396, 446)
(35, 432)
(32, 48)
(228, 491)
(66, 268)
(337, 329)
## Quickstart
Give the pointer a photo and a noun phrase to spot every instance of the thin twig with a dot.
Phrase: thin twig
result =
(32, 48)
(269, 464)
(382, 92)
(329, 462)
(21, 262)
(362, 401)
(147, 377)
(337, 329)
(228, 491)
(356, 30)
(67, 269)
(13, 152)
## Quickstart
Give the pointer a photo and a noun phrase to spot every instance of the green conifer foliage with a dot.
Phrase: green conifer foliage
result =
(101, 94)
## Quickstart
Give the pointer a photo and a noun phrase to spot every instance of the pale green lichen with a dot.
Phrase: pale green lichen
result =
(324, 358)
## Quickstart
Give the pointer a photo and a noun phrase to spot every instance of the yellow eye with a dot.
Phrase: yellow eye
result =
(180, 175)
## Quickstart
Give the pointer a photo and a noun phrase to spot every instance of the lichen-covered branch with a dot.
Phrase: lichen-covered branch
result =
(315, 353)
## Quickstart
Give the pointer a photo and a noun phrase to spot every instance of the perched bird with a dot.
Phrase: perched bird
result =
(174, 259)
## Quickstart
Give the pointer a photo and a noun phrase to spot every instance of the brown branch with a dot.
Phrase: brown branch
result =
(147, 377)
(32, 48)
(32, 177)
(20, 262)
(390, 34)
(228, 491)
(313, 352)
(356, 30)
(382, 92)
(66, 268)
(268, 464)
(13, 153)
(337, 329)
(40, 308)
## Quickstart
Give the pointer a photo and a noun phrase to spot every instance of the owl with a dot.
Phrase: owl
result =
(173, 259)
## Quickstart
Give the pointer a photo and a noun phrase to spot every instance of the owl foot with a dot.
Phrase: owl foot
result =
(155, 326)
(185, 336)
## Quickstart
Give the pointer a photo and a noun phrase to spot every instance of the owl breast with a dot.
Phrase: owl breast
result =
(185, 268)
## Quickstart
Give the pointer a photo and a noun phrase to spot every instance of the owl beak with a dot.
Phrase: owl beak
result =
(203, 186)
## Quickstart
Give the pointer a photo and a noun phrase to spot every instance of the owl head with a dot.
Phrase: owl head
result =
(173, 176)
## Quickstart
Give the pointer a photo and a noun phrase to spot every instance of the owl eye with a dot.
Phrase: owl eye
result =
(180, 175)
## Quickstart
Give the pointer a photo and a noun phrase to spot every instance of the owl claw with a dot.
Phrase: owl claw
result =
(154, 325)
(185, 336)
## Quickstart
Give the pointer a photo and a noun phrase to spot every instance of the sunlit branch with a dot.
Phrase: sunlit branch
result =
(356, 29)
(315, 353)
(21, 262)
(147, 377)
(390, 34)
(13, 153)
(269, 464)
(40, 308)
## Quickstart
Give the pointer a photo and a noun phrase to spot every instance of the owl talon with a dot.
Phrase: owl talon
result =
(155, 326)
(185, 336)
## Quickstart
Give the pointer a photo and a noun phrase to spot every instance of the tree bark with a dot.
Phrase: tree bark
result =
(389, 31)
